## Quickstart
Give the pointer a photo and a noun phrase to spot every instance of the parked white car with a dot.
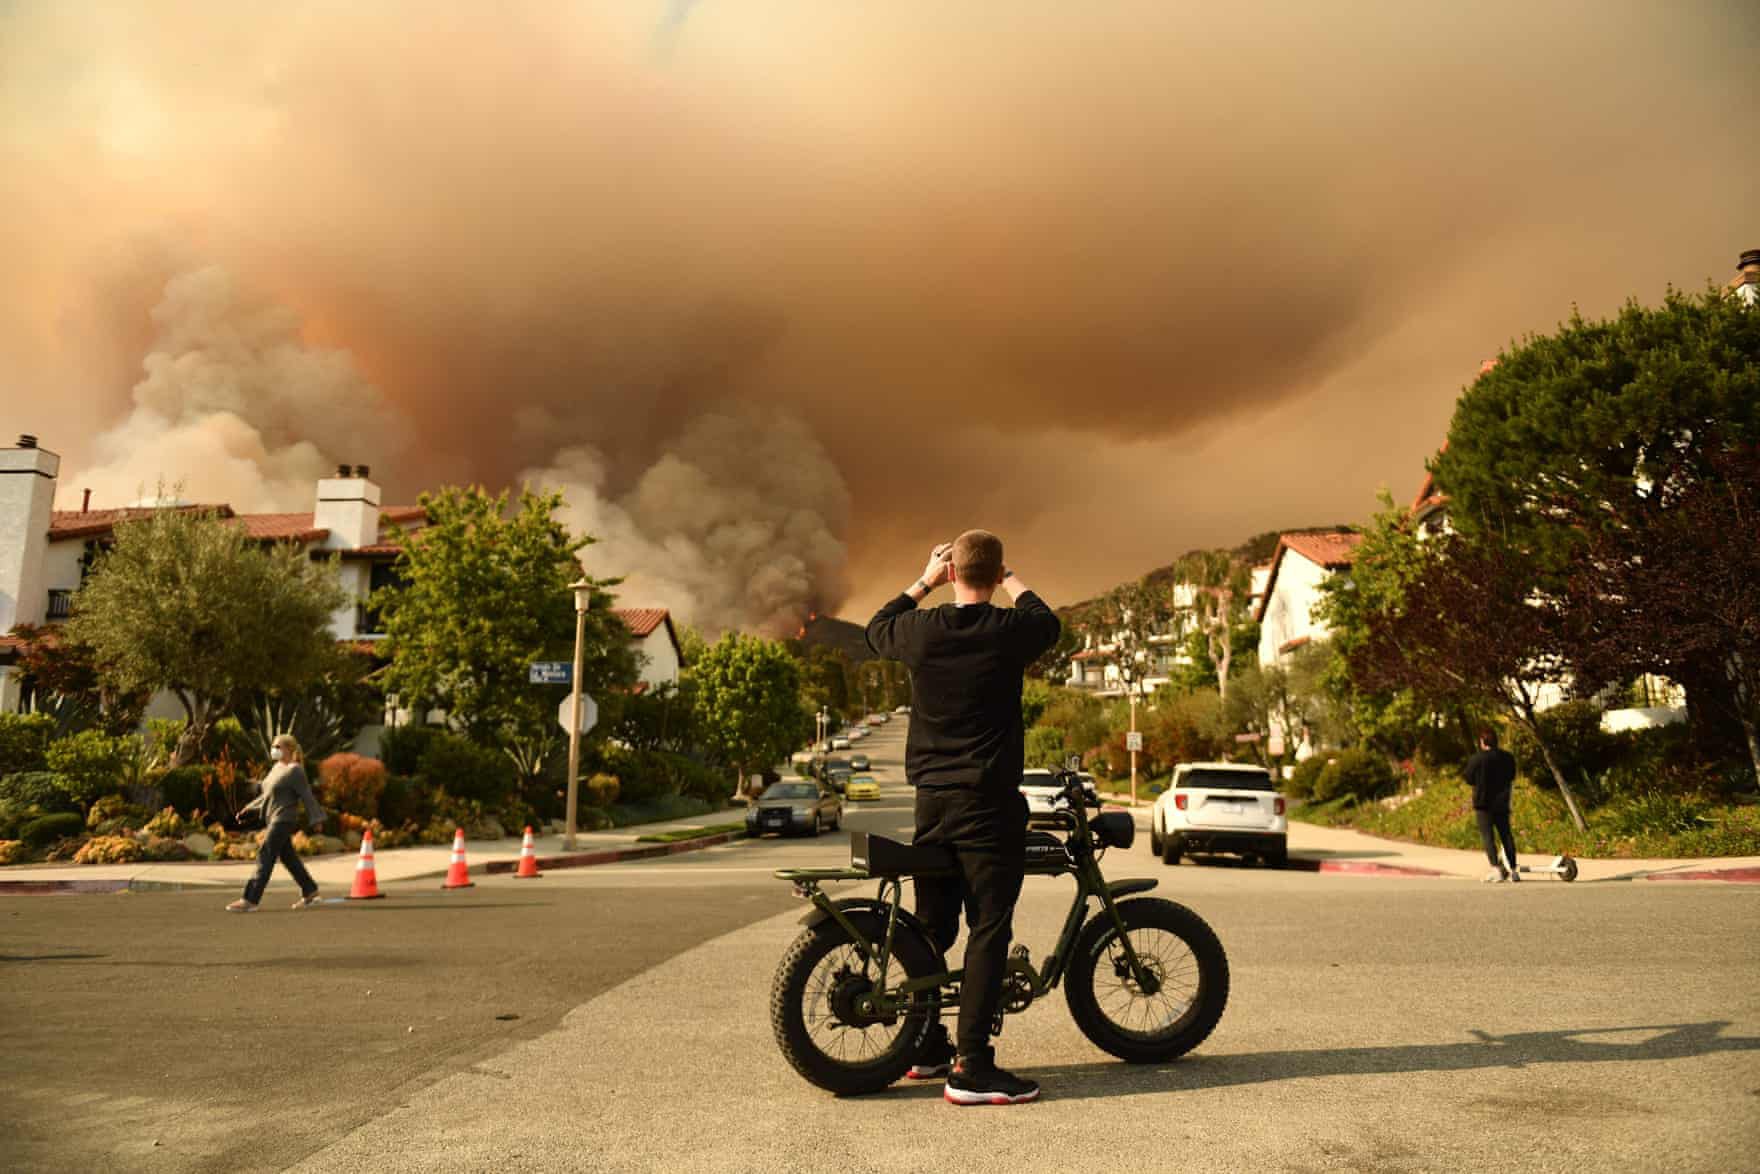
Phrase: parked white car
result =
(1220, 807)
(1043, 795)
(840, 743)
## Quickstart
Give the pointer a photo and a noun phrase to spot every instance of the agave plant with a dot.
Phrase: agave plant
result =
(318, 728)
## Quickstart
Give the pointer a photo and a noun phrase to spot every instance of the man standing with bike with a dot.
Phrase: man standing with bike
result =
(964, 755)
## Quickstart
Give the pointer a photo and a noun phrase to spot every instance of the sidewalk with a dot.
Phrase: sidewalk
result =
(1344, 850)
(335, 873)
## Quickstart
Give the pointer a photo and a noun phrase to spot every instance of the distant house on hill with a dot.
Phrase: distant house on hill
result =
(45, 554)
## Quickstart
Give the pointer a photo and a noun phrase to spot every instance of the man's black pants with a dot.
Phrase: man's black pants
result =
(1493, 824)
(987, 831)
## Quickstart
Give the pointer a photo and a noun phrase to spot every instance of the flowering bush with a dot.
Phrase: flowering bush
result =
(351, 783)
(164, 848)
(109, 850)
(12, 851)
(170, 824)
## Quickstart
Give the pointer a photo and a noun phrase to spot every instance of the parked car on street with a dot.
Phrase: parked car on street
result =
(794, 808)
(861, 787)
(858, 762)
(1044, 795)
(840, 743)
(838, 777)
(1220, 807)
(876, 719)
(902, 709)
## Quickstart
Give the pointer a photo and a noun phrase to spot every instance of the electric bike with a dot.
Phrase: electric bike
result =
(856, 993)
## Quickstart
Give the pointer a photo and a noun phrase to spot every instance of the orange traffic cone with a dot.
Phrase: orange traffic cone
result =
(366, 878)
(459, 875)
(528, 858)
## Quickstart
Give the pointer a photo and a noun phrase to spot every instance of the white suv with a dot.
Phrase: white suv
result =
(1220, 807)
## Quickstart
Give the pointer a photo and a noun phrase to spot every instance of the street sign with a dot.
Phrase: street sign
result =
(552, 672)
(1133, 740)
(589, 713)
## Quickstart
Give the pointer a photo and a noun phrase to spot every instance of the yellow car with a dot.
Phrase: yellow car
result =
(861, 787)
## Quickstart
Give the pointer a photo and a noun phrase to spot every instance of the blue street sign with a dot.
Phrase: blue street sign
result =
(552, 672)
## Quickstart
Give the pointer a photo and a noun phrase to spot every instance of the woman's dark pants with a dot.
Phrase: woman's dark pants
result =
(986, 832)
(1493, 824)
(278, 845)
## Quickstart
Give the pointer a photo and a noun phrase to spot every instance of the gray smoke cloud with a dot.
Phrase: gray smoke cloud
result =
(738, 525)
(235, 406)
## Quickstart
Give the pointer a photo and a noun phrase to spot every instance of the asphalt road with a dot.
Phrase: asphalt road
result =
(1374, 1024)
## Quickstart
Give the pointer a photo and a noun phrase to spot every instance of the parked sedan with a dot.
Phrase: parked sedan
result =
(858, 762)
(861, 787)
(837, 778)
(796, 807)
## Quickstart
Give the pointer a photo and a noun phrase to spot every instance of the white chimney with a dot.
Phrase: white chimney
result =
(348, 507)
(27, 495)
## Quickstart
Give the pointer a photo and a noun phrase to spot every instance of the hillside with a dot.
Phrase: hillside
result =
(849, 638)
(1255, 550)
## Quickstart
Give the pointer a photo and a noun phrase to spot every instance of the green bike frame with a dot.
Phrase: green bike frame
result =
(887, 1000)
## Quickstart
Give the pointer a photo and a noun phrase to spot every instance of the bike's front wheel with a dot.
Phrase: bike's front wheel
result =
(816, 1014)
(1176, 1009)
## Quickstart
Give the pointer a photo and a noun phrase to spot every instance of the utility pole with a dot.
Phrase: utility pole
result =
(1133, 742)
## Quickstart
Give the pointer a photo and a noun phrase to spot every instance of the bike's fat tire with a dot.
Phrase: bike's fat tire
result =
(788, 990)
(1148, 913)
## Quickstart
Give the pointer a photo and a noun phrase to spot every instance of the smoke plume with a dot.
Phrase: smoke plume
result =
(1112, 281)
(738, 525)
(235, 406)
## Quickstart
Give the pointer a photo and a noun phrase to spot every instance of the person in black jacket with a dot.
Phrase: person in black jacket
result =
(964, 755)
(1492, 775)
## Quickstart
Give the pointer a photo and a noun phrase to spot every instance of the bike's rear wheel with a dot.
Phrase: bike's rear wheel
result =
(812, 1011)
(1190, 970)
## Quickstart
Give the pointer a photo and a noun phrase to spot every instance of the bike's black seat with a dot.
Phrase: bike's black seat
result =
(883, 857)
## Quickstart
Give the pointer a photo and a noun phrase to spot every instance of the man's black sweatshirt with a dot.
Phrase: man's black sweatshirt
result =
(966, 666)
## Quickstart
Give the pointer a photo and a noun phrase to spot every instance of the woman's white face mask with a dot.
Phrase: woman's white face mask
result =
(274, 754)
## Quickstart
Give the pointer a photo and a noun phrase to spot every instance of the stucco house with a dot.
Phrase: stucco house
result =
(1301, 563)
(45, 553)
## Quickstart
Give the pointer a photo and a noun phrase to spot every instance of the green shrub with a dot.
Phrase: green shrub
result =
(24, 737)
(37, 788)
(464, 770)
(1358, 774)
(165, 848)
(12, 817)
(403, 801)
(401, 748)
(112, 814)
(351, 783)
(1045, 746)
(601, 790)
(169, 824)
(91, 762)
(1302, 780)
(1652, 813)
(184, 788)
(46, 829)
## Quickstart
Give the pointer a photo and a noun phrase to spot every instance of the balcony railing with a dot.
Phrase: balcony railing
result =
(60, 603)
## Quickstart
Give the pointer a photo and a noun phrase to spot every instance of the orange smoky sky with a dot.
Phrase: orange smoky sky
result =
(781, 294)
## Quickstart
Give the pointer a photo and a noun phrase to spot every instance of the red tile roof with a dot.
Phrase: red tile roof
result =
(70, 524)
(65, 524)
(641, 621)
(282, 527)
(1330, 549)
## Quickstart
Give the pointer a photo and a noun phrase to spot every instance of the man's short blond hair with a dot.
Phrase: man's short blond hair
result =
(977, 558)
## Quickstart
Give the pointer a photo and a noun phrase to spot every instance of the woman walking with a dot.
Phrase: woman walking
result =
(283, 791)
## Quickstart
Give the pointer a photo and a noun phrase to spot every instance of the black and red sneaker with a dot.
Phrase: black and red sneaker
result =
(935, 1057)
(977, 1083)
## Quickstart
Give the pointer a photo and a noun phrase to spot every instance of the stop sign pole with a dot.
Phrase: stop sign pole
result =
(583, 599)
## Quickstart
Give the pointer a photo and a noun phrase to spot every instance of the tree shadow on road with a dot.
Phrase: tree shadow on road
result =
(1672, 1041)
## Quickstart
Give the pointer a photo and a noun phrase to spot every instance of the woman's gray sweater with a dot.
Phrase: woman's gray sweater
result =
(282, 792)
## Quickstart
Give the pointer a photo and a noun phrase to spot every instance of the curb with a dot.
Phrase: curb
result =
(1359, 868)
(1734, 876)
(24, 888)
(617, 855)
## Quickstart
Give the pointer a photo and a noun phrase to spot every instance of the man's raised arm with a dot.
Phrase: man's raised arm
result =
(1039, 621)
(884, 637)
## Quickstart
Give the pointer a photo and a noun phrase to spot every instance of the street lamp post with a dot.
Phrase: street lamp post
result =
(583, 599)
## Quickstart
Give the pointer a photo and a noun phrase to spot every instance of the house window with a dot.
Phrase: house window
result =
(60, 603)
(366, 617)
